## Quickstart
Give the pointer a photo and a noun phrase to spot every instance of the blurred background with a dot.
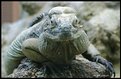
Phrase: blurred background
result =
(101, 21)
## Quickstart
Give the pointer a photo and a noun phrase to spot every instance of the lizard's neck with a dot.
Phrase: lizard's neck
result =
(63, 51)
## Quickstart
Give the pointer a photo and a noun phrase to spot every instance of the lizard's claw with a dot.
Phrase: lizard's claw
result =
(106, 63)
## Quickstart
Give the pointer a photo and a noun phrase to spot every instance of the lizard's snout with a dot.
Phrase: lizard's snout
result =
(65, 32)
(65, 29)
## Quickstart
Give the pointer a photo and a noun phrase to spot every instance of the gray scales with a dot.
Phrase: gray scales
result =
(57, 37)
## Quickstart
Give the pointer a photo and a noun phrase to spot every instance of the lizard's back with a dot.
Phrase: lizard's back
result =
(14, 53)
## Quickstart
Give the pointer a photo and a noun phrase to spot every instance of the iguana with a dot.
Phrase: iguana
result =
(56, 37)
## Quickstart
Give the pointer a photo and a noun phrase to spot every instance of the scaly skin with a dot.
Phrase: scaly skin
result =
(57, 37)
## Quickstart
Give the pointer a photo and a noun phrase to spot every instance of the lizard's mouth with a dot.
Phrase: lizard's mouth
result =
(63, 35)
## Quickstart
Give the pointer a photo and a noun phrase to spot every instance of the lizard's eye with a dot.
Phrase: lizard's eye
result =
(53, 24)
(76, 23)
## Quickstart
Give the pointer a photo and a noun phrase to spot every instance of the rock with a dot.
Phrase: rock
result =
(32, 7)
(88, 9)
(103, 30)
(101, 21)
(114, 5)
(79, 68)
(108, 19)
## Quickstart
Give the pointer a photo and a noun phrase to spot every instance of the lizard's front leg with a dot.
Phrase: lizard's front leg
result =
(31, 51)
(93, 55)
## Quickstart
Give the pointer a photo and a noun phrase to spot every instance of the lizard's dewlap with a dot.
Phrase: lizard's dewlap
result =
(63, 52)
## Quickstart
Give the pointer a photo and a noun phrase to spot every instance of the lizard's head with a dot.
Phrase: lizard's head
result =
(64, 24)
(62, 36)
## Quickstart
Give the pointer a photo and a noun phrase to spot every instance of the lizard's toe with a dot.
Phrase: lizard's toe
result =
(106, 63)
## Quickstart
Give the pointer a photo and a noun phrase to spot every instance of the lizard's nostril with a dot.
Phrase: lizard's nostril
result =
(65, 29)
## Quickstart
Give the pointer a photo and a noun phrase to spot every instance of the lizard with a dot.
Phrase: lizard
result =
(56, 36)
